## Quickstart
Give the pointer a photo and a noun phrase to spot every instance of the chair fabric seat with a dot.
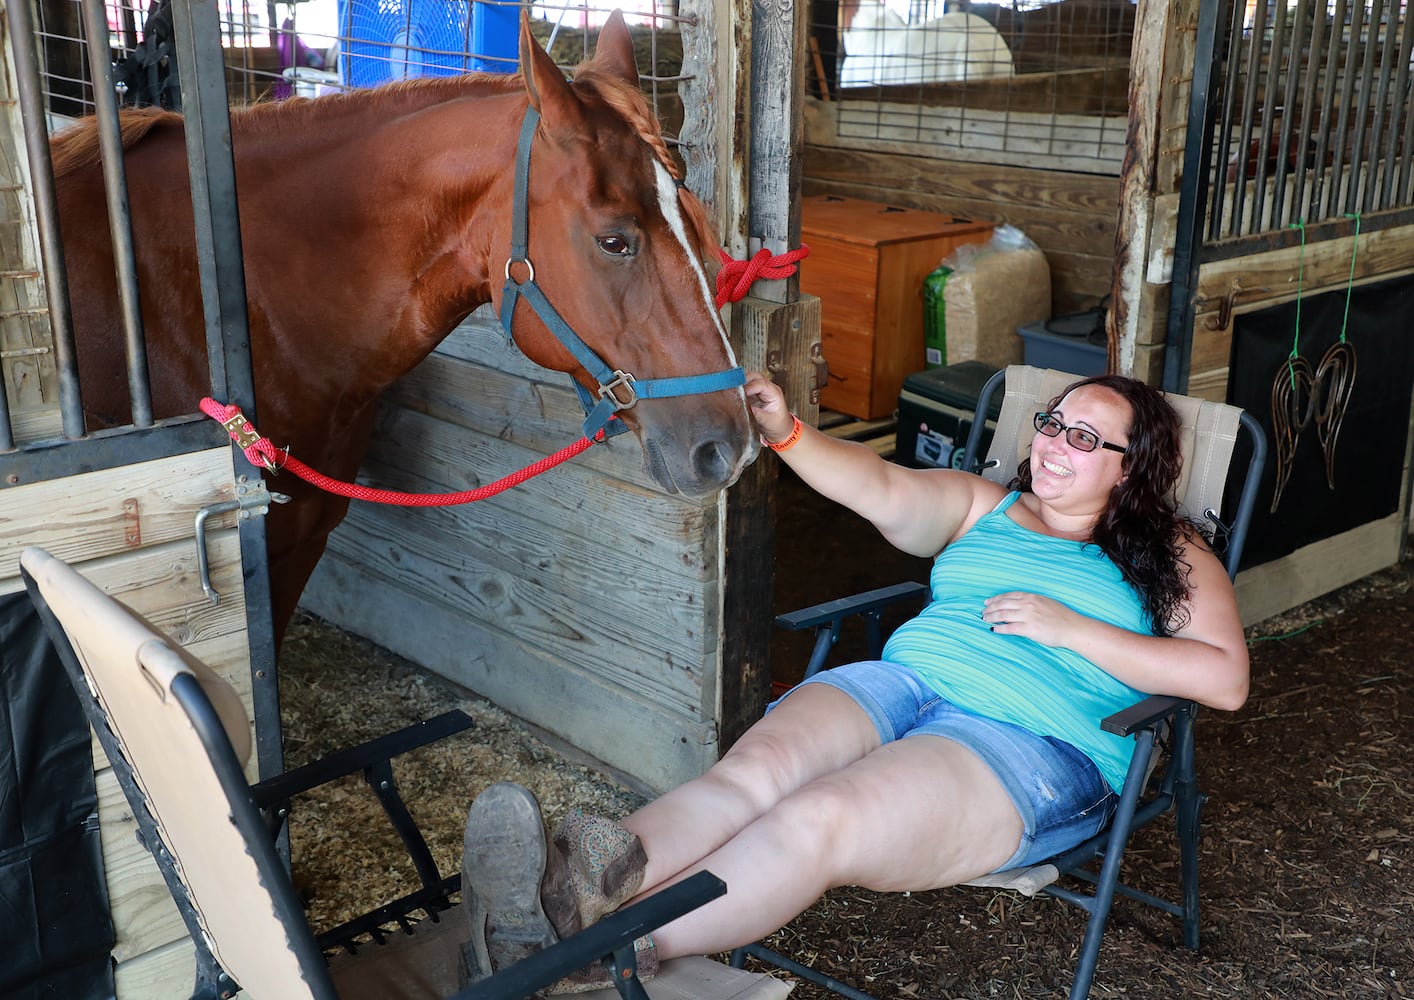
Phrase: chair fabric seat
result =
(1027, 881)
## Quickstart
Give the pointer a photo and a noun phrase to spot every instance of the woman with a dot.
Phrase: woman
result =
(974, 745)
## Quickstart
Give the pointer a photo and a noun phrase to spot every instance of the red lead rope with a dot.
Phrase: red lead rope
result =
(733, 281)
(736, 277)
(261, 452)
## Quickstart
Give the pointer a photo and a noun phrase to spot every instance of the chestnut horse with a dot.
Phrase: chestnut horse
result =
(373, 222)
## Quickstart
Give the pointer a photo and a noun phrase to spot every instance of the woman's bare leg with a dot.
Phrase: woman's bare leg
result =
(816, 730)
(919, 813)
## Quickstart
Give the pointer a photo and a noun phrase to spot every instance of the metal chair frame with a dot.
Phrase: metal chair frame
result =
(259, 812)
(1158, 723)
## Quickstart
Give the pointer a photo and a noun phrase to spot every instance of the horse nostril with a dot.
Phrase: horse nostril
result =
(713, 461)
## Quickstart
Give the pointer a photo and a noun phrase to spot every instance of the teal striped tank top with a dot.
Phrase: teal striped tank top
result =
(1047, 690)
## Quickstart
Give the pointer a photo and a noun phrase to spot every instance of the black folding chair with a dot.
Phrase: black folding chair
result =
(1161, 777)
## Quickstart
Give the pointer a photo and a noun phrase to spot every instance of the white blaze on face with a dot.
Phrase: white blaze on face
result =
(672, 212)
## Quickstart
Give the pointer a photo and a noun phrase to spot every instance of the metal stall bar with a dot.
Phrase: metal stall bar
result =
(1331, 196)
(1281, 213)
(197, 32)
(1245, 151)
(51, 245)
(115, 185)
(1193, 196)
(1391, 188)
(1264, 148)
(1361, 112)
(1312, 63)
(1324, 173)
(1402, 191)
(1227, 90)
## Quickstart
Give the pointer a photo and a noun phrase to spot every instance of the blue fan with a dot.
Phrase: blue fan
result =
(385, 40)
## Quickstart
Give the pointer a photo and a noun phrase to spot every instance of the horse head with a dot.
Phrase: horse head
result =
(613, 249)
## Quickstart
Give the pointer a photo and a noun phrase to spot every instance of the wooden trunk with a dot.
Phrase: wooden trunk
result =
(867, 264)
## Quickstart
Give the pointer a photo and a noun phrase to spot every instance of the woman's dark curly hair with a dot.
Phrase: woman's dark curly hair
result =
(1140, 529)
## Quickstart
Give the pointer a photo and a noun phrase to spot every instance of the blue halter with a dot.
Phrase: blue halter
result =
(618, 390)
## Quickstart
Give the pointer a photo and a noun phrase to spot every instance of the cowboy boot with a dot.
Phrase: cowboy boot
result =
(503, 864)
(599, 866)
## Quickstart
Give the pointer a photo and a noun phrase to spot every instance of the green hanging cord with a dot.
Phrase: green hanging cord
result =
(1296, 336)
(1350, 282)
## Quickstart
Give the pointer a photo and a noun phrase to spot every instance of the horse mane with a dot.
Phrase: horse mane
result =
(77, 146)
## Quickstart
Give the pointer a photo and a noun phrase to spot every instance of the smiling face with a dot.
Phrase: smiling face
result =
(1074, 481)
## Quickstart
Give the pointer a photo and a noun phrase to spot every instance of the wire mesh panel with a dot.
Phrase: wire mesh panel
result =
(313, 47)
(1312, 121)
(29, 393)
(1031, 81)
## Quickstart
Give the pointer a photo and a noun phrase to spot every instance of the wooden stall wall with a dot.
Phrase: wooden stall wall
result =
(1039, 147)
(130, 530)
(1231, 289)
(1070, 215)
(583, 601)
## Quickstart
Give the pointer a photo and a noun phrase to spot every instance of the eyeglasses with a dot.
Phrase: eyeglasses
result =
(1077, 437)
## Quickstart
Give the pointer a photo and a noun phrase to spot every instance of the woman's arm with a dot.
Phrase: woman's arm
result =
(1205, 661)
(918, 510)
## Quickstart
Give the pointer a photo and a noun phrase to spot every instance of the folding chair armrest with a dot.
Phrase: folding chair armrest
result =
(836, 611)
(614, 934)
(1143, 714)
(283, 787)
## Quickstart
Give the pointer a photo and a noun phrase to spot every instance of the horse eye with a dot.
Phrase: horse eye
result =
(614, 245)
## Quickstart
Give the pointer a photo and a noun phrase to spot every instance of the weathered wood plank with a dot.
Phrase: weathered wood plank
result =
(1078, 235)
(641, 737)
(537, 418)
(1138, 186)
(1259, 280)
(644, 630)
(1082, 143)
(112, 511)
(144, 915)
(1319, 568)
(166, 974)
(924, 174)
(1085, 90)
(1079, 279)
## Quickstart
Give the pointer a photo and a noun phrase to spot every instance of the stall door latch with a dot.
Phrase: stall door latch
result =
(253, 499)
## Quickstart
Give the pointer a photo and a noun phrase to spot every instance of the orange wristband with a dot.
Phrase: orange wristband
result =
(795, 431)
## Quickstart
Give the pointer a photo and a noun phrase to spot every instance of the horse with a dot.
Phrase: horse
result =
(373, 222)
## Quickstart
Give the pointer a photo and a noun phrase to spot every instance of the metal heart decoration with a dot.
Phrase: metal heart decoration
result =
(1301, 397)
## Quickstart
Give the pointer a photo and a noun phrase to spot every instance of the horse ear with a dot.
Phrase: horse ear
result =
(549, 91)
(613, 53)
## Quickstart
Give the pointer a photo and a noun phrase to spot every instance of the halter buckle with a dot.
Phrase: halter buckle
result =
(621, 380)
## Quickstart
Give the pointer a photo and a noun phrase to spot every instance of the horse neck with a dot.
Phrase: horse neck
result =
(411, 200)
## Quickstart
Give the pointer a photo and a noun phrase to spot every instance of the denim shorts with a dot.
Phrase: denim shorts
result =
(1059, 792)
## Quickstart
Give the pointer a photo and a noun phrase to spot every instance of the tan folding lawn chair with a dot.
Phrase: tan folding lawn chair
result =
(177, 736)
(1161, 776)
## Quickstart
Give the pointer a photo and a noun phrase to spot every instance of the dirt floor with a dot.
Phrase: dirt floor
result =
(1307, 852)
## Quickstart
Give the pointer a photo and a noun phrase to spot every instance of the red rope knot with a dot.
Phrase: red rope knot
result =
(258, 450)
(736, 277)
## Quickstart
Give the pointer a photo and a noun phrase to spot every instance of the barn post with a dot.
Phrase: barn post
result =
(211, 166)
(744, 60)
(1160, 77)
